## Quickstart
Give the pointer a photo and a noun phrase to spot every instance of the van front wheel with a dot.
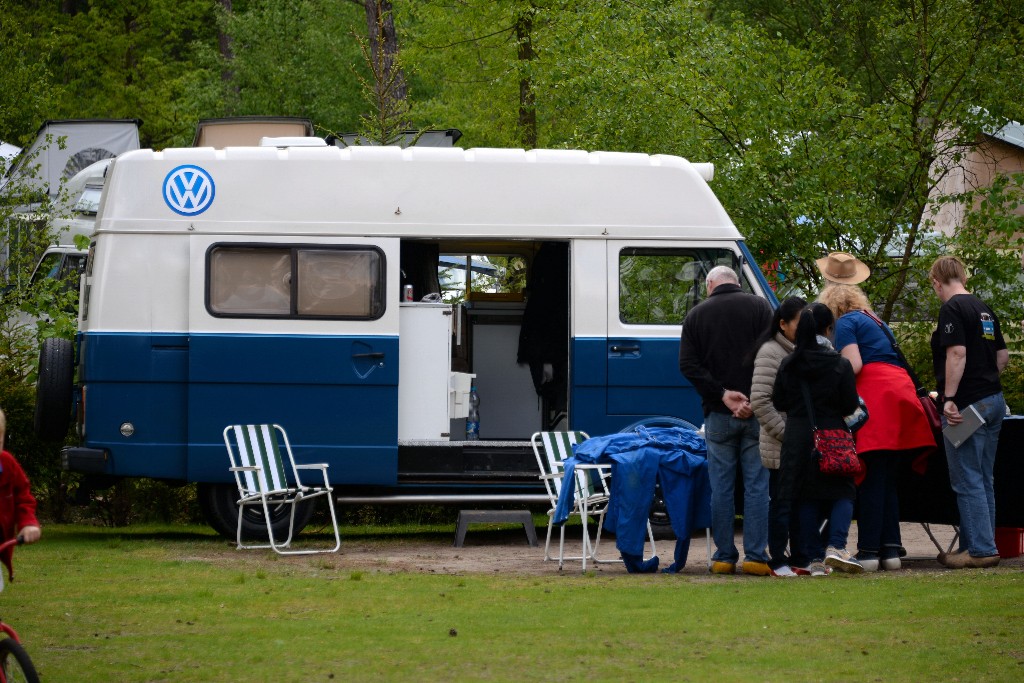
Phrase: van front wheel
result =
(54, 389)
(219, 503)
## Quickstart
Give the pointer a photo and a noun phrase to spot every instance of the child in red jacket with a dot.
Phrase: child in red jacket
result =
(17, 505)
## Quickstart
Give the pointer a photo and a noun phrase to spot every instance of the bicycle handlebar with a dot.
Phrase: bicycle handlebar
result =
(14, 541)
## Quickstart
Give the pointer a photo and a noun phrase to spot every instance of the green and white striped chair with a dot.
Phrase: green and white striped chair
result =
(551, 450)
(259, 469)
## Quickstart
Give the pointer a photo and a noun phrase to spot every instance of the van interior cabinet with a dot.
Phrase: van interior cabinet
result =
(509, 405)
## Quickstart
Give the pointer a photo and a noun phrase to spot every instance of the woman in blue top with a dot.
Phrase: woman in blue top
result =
(897, 428)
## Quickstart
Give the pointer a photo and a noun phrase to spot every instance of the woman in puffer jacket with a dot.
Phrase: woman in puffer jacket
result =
(775, 344)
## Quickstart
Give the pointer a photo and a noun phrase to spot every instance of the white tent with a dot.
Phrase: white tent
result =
(8, 152)
(86, 141)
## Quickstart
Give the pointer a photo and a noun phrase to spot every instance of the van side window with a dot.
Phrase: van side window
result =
(659, 286)
(495, 276)
(302, 282)
(338, 283)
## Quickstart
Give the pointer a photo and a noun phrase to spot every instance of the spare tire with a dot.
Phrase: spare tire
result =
(54, 389)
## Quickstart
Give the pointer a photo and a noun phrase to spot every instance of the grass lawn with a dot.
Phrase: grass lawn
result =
(171, 604)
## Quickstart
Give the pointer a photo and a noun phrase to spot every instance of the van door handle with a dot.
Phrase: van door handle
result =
(625, 349)
(376, 354)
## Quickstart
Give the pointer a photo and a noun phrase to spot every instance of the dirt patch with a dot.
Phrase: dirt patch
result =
(505, 552)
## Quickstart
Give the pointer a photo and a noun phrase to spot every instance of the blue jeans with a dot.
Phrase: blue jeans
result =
(733, 445)
(970, 474)
(811, 513)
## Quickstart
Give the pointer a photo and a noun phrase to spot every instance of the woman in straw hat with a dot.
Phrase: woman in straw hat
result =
(897, 428)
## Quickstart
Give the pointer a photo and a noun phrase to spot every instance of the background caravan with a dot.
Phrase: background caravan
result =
(352, 295)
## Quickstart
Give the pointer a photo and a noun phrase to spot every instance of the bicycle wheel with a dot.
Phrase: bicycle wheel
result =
(15, 665)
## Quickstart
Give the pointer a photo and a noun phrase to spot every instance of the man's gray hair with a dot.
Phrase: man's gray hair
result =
(723, 274)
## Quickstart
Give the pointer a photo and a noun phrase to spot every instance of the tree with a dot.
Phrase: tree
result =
(824, 121)
(385, 91)
(481, 67)
(24, 77)
(927, 76)
(286, 59)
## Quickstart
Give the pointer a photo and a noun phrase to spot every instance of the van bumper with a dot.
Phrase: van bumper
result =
(86, 460)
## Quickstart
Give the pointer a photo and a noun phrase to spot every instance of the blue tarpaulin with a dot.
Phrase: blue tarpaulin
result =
(674, 456)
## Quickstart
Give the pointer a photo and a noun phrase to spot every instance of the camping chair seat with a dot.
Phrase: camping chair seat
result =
(259, 469)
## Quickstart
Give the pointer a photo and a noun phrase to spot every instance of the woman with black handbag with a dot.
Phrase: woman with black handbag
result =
(816, 387)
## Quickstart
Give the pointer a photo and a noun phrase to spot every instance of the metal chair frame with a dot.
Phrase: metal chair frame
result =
(262, 481)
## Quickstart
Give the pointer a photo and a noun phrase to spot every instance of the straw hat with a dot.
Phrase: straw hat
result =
(843, 268)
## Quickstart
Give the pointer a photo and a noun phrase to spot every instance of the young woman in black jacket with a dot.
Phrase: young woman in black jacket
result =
(832, 387)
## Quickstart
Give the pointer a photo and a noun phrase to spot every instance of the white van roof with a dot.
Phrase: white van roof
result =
(418, 191)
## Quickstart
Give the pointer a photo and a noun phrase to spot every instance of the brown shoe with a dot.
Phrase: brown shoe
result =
(983, 562)
(756, 568)
(955, 560)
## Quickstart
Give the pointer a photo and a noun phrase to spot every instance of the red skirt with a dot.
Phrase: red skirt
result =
(896, 420)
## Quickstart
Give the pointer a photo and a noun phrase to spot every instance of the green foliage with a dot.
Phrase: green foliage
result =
(41, 461)
(385, 91)
(139, 501)
(289, 59)
(30, 92)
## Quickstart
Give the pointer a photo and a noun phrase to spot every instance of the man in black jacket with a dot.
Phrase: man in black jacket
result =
(716, 355)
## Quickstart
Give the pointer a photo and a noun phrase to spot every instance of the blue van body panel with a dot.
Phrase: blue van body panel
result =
(334, 395)
(630, 384)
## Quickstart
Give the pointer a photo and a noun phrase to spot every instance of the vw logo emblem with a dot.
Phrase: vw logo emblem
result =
(188, 190)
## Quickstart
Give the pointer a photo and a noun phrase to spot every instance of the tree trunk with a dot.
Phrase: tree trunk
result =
(227, 74)
(527, 101)
(380, 25)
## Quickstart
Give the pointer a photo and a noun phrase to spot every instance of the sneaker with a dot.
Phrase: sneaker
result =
(755, 568)
(818, 569)
(890, 560)
(869, 560)
(723, 568)
(841, 559)
(784, 570)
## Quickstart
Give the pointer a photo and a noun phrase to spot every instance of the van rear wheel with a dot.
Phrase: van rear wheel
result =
(219, 503)
(54, 389)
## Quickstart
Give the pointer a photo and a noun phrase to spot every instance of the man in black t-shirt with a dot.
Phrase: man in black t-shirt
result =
(968, 354)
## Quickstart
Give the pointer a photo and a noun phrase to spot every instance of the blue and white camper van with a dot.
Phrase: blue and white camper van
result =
(354, 295)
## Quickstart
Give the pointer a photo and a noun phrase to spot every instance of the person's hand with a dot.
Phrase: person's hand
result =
(738, 403)
(30, 534)
(951, 412)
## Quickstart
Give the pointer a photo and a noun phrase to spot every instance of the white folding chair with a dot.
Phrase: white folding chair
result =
(551, 450)
(260, 473)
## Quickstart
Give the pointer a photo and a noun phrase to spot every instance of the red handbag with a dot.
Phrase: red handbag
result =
(836, 452)
(931, 411)
(834, 449)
